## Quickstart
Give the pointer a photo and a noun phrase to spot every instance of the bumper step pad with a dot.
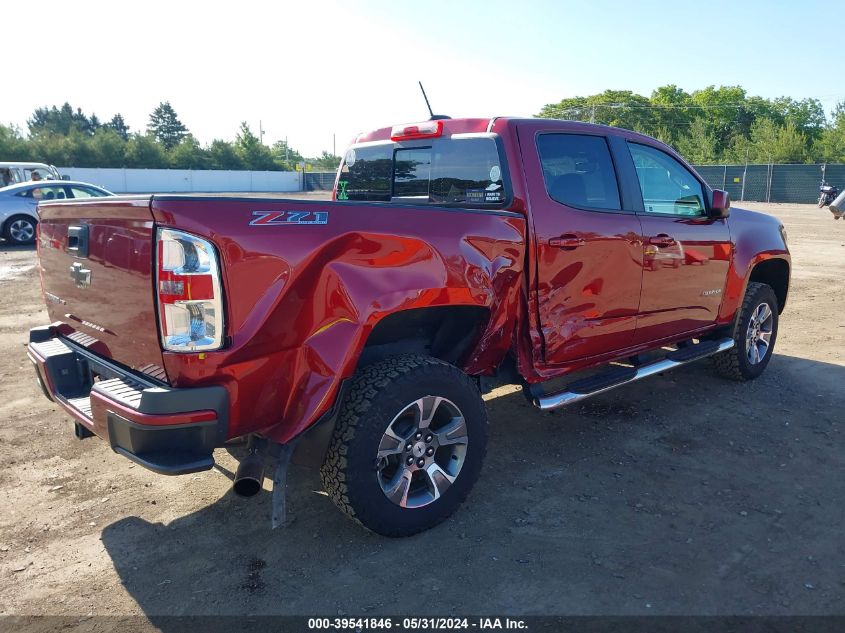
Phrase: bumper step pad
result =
(166, 429)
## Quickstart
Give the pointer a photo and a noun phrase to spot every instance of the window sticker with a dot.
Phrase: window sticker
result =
(495, 173)
(475, 196)
(342, 194)
(350, 158)
(492, 196)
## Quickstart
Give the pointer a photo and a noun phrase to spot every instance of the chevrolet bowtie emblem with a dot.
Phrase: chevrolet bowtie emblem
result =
(81, 276)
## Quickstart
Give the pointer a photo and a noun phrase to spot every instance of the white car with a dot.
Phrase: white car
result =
(18, 204)
(13, 173)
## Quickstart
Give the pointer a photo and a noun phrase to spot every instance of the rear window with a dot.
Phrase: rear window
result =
(445, 171)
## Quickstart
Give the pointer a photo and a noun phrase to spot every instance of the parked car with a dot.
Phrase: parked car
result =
(18, 213)
(12, 173)
(360, 333)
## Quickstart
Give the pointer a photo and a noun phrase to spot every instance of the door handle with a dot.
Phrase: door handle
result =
(661, 240)
(566, 242)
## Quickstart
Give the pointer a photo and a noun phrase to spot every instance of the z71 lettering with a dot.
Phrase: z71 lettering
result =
(263, 218)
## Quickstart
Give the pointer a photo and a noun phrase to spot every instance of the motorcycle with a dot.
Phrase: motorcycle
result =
(827, 193)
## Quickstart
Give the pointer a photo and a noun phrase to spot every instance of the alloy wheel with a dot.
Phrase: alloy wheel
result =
(22, 230)
(758, 336)
(421, 452)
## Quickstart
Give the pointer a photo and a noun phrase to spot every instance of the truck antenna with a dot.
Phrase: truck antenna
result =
(434, 117)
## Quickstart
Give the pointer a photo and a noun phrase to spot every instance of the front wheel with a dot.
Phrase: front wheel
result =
(754, 334)
(20, 229)
(408, 445)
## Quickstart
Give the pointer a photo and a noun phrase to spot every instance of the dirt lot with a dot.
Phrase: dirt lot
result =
(683, 495)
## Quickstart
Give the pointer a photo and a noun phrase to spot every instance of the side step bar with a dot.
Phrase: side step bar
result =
(587, 387)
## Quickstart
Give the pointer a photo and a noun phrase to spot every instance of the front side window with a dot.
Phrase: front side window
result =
(667, 186)
(466, 171)
(578, 171)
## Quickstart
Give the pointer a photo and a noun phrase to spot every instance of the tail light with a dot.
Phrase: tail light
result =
(411, 131)
(190, 300)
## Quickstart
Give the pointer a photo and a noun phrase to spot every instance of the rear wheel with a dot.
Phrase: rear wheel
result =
(754, 334)
(20, 229)
(408, 445)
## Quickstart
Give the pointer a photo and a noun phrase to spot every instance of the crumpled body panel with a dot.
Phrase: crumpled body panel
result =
(301, 299)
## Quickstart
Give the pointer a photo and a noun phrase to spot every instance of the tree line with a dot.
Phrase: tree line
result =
(712, 125)
(719, 125)
(68, 137)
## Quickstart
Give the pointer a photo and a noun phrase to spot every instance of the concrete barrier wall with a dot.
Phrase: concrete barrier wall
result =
(185, 180)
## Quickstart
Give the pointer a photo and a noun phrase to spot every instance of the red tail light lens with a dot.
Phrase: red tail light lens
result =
(190, 302)
(410, 131)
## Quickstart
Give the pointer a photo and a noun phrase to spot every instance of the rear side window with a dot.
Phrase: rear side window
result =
(447, 171)
(578, 171)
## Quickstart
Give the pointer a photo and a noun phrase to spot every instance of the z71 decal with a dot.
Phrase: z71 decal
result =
(275, 218)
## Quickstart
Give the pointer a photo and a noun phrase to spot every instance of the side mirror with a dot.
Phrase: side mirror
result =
(720, 204)
(65, 177)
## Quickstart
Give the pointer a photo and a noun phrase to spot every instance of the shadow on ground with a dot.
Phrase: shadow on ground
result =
(683, 495)
(7, 246)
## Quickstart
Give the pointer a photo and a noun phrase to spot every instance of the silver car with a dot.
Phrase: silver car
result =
(18, 212)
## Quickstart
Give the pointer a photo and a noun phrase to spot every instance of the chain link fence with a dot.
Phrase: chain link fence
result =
(772, 183)
(319, 180)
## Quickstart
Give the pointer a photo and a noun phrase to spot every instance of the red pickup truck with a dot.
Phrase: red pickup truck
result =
(360, 333)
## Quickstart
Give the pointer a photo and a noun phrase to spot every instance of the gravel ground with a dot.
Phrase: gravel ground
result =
(683, 495)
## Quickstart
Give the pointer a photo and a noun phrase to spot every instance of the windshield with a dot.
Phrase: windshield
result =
(465, 171)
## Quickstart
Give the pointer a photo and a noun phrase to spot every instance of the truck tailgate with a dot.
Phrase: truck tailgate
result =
(96, 265)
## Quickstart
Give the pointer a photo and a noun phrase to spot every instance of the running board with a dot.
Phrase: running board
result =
(582, 389)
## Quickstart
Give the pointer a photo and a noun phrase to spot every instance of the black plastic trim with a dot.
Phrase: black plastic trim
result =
(169, 450)
(626, 174)
(603, 380)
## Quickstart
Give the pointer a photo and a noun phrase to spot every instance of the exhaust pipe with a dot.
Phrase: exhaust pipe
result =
(250, 475)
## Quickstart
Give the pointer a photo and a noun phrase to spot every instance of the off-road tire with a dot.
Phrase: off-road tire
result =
(734, 363)
(376, 396)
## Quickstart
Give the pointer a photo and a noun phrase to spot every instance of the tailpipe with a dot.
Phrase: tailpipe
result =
(249, 476)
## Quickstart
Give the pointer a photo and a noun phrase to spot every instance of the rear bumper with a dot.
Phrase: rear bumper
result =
(170, 431)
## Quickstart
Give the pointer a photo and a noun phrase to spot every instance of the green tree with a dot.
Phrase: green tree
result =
(13, 146)
(61, 121)
(620, 108)
(188, 154)
(222, 155)
(777, 144)
(166, 126)
(671, 115)
(144, 151)
(253, 153)
(325, 162)
(109, 147)
(698, 143)
(119, 125)
(285, 156)
(830, 146)
(724, 111)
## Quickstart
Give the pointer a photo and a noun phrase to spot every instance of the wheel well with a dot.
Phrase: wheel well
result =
(775, 273)
(444, 332)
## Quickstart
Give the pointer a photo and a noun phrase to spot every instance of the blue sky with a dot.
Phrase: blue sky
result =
(309, 71)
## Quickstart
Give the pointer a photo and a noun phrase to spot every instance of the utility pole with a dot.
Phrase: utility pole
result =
(260, 132)
(334, 144)
(593, 113)
(286, 148)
